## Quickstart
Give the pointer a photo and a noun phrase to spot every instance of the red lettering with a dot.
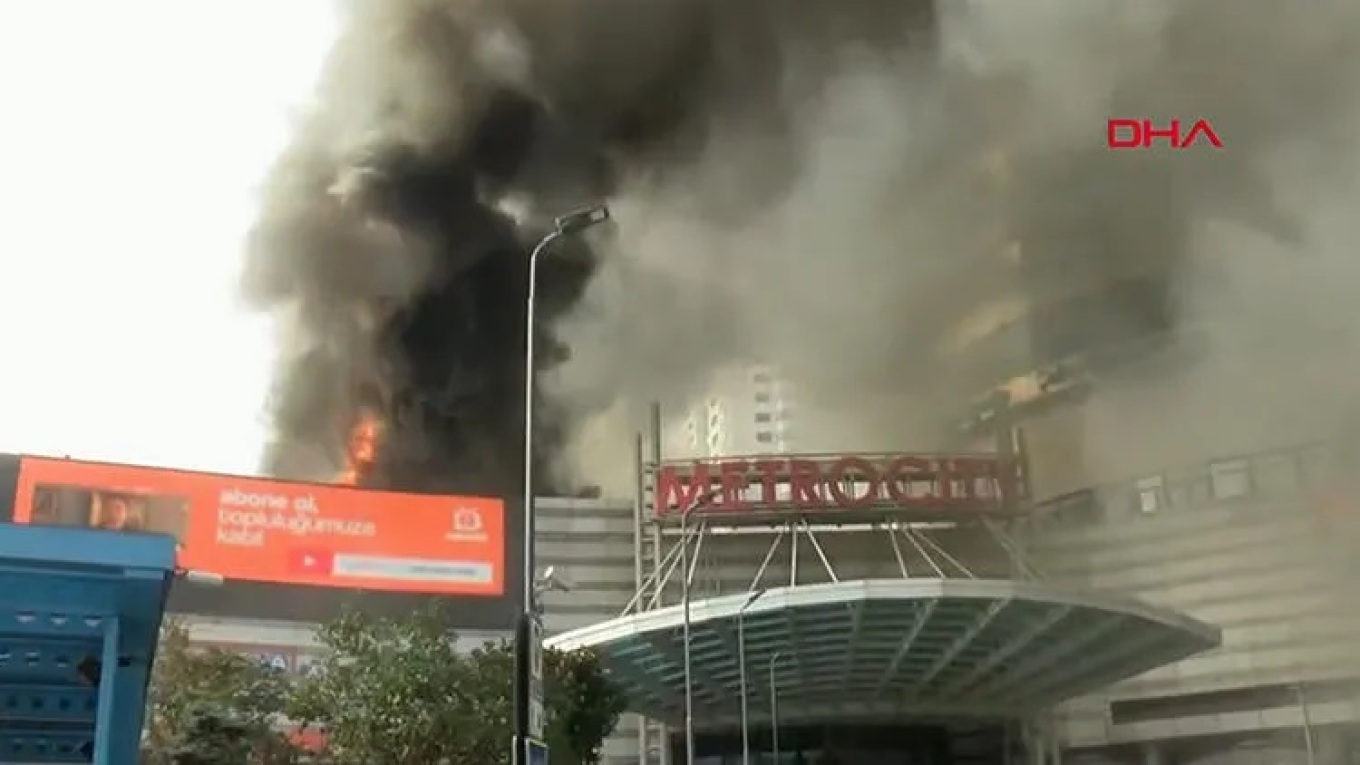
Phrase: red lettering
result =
(1204, 129)
(1172, 133)
(674, 494)
(805, 484)
(944, 480)
(848, 482)
(846, 472)
(965, 473)
(769, 480)
(1140, 134)
(901, 478)
(1132, 128)
(735, 478)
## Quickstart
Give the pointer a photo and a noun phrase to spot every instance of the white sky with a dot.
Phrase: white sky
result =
(133, 135)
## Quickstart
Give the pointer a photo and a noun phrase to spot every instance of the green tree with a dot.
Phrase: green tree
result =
(212, 707)
(583, 705)
(399, 690)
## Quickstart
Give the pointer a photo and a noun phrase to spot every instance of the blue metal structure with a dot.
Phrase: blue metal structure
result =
(80, 612)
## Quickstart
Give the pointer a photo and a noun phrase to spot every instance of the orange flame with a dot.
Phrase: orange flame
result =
(361, 451)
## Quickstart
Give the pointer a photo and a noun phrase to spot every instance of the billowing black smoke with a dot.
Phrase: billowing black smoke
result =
(795, 183)
(395, 230)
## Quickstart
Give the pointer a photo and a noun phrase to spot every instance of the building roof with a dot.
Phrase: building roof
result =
(887, 649)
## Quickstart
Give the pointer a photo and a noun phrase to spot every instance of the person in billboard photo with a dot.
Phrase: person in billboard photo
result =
(118, 512)
(111, 510)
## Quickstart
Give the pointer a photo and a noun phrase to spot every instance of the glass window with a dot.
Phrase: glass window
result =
(765, 437)
(1230, 479)
(760, 378)
(1149, 494)
(762, 397)
(763, 417)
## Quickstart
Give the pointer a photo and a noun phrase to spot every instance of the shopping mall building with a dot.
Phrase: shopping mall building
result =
(1192, 613)
(1184, 599)
(1172, 586)
(938, 642)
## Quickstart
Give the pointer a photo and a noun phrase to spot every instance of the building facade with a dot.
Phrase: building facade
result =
(1183, 400)
(1256, 541)
(887, 630)
(748, 409)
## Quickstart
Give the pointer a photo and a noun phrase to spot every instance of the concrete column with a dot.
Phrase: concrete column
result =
(664, 742)
(643, 729)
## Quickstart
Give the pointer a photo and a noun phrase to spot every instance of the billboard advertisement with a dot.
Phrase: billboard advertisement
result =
(251, 529)
(290, 551)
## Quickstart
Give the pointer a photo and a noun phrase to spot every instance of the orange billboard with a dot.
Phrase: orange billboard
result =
(274, 531)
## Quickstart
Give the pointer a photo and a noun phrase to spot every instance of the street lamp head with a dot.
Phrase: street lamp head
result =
(580, 220)
(549, 580)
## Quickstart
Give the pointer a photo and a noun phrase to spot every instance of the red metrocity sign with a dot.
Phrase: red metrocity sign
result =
(843, 482)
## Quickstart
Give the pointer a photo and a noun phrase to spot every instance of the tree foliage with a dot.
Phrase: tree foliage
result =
(206, 706)
(583, 705)
(400, 691)
(384, 690)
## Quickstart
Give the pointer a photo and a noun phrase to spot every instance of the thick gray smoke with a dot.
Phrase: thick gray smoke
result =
(1252, 243)
(931, 207)
(827, 186)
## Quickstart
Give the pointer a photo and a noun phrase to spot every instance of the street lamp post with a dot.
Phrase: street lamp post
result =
(741, 669)
(565, 225)
(697, 503)
(774, 708)
(527, 694)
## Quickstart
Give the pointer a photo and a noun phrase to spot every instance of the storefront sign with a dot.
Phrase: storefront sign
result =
(839, 482)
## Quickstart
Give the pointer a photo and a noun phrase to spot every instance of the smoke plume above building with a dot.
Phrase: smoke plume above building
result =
(831, 186)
